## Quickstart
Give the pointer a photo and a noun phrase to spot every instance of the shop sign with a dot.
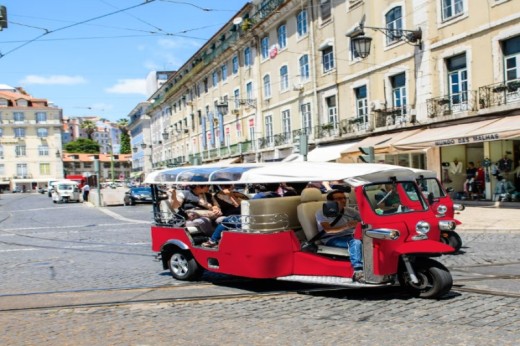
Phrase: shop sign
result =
(468, 139)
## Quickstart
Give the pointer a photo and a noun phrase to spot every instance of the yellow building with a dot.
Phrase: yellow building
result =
(30, 141)
(440, 84)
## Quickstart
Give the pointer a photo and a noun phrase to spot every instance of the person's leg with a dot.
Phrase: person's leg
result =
(217, 234)
(355, 251)
(337, 242)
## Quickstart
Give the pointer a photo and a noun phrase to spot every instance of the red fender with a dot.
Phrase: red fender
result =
(457, 222)
(423, 246)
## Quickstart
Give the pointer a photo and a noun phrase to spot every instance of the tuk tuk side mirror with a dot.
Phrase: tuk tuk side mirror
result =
(431, 198)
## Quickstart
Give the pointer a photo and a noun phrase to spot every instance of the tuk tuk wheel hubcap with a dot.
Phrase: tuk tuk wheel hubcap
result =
(179, 264)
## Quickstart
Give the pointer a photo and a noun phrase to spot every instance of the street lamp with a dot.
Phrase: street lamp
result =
(361, 43)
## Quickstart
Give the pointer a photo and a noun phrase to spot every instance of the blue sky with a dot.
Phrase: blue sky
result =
(55, 51)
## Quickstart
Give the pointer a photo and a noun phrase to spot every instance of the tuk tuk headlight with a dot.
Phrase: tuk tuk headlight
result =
(458, 207)
(442, 210)
(422, 227)
(446, 225)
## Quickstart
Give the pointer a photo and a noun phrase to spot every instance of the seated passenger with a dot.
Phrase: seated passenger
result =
(267, 191)
(339, 230)
(387, 198)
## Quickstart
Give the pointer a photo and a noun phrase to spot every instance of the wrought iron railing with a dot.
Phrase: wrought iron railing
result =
(282, 139)
(265, 10)
(331, 129)
(499, 94)
(454, 103)
(392, 116)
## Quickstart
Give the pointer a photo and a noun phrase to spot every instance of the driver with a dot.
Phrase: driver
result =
(387, 198)
(339, 232)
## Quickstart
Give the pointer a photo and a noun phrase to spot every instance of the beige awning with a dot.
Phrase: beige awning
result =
(479, 131)
(329, 153)
(382, 143)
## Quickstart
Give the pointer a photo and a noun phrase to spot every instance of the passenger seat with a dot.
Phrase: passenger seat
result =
(311, 202)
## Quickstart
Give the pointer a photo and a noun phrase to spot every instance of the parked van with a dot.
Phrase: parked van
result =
(65, 191)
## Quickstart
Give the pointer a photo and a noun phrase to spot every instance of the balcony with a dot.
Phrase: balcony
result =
(449, 104)
(266, 142)
(331, 129)
(282, 139)
(393, 116)
(218, 50)
(265, 9)
(499, 94)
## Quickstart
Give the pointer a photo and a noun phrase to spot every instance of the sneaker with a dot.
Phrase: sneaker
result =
(210, 243)
(358, 276)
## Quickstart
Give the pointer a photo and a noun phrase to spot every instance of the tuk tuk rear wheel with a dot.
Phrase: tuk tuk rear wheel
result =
(434, 279)
(452, 239)
(183, 266)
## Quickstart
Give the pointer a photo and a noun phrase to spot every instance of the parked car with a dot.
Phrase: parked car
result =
(138, 195)
(17, 189)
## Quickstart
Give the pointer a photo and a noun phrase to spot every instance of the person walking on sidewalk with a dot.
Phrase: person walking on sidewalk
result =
(85, 190)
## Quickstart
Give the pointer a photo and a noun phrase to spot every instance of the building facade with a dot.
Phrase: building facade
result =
(30, 141)
(440, 85)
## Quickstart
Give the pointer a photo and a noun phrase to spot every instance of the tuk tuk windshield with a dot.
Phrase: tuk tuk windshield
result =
(65, 187)
(431, 186)
(395, 198)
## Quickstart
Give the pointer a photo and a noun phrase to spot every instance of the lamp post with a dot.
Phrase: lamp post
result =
(361, 43)
(98, 174)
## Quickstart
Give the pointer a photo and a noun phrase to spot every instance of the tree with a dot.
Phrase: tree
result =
(122, 124)
(89, 127)
(83, 146)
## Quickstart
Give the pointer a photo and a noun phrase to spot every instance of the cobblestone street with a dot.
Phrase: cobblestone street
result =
(90, 261)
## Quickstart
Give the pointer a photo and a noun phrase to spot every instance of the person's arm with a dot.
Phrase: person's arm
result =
(324, 224)
(175, 203)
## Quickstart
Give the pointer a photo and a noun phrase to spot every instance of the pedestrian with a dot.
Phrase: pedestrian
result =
(86, 190)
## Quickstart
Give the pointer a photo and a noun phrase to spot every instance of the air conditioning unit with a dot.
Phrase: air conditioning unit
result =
(377, 105)
(235, 111)
(297, 87)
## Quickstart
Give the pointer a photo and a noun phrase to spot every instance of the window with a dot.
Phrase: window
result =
(458, 80)
(19, 132)
(21, 169)
(361, 103)
(282, 36)
(223, 72)
(394, 24)
(264, 47)
(301, 23)
(267, 86)
(306, 117)
(247, 57)
(236, 96)
(332, 110)
(399, 92)
(286, 124)
(269, 130)
(451, 8)
(328, 59)
(249, 90)
(2, 169)
(45, 169)
(1, 151)
(215, 78)
(304, 68)
(234, 62)
(43, 150)
(42, 132)
(18, 116)
(1, 132)
(41, 117)
(284, 78)
(19, 150)
(511, 50)
(325, 9)
(206, 86)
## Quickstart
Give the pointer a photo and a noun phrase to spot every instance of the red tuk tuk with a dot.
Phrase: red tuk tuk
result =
(398, 244)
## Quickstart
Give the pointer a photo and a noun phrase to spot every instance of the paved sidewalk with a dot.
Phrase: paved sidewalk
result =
(489, 218)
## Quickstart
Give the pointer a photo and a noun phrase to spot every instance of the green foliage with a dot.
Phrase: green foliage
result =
(125, 144)
(82, 146)
(89, 127)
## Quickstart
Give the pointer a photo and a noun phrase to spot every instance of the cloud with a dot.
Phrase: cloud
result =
(128, 86)
(53, 80)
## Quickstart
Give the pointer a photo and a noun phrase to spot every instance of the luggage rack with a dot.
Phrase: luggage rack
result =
(164, 218)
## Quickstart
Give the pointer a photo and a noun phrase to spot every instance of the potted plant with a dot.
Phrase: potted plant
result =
(443, 101)
(513, 86)
(499, 88)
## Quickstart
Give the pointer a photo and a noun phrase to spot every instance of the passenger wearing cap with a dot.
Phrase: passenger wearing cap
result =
(339, 230)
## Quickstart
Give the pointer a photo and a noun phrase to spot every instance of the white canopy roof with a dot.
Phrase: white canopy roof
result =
(276, 172)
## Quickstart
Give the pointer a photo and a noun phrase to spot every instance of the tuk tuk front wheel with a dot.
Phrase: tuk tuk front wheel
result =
(434, 279)
(452, 239)
(183, 266)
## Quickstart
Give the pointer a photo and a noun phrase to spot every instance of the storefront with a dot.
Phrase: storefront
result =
(492, 145)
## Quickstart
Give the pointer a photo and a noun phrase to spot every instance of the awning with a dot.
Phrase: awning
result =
(135, 174)
(293, 158)
(479, 131)
(329, 153)
(382, 143)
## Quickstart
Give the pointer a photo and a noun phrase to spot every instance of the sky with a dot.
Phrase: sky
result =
(91, 57)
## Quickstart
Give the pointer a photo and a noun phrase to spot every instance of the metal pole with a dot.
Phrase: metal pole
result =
(98, 173)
